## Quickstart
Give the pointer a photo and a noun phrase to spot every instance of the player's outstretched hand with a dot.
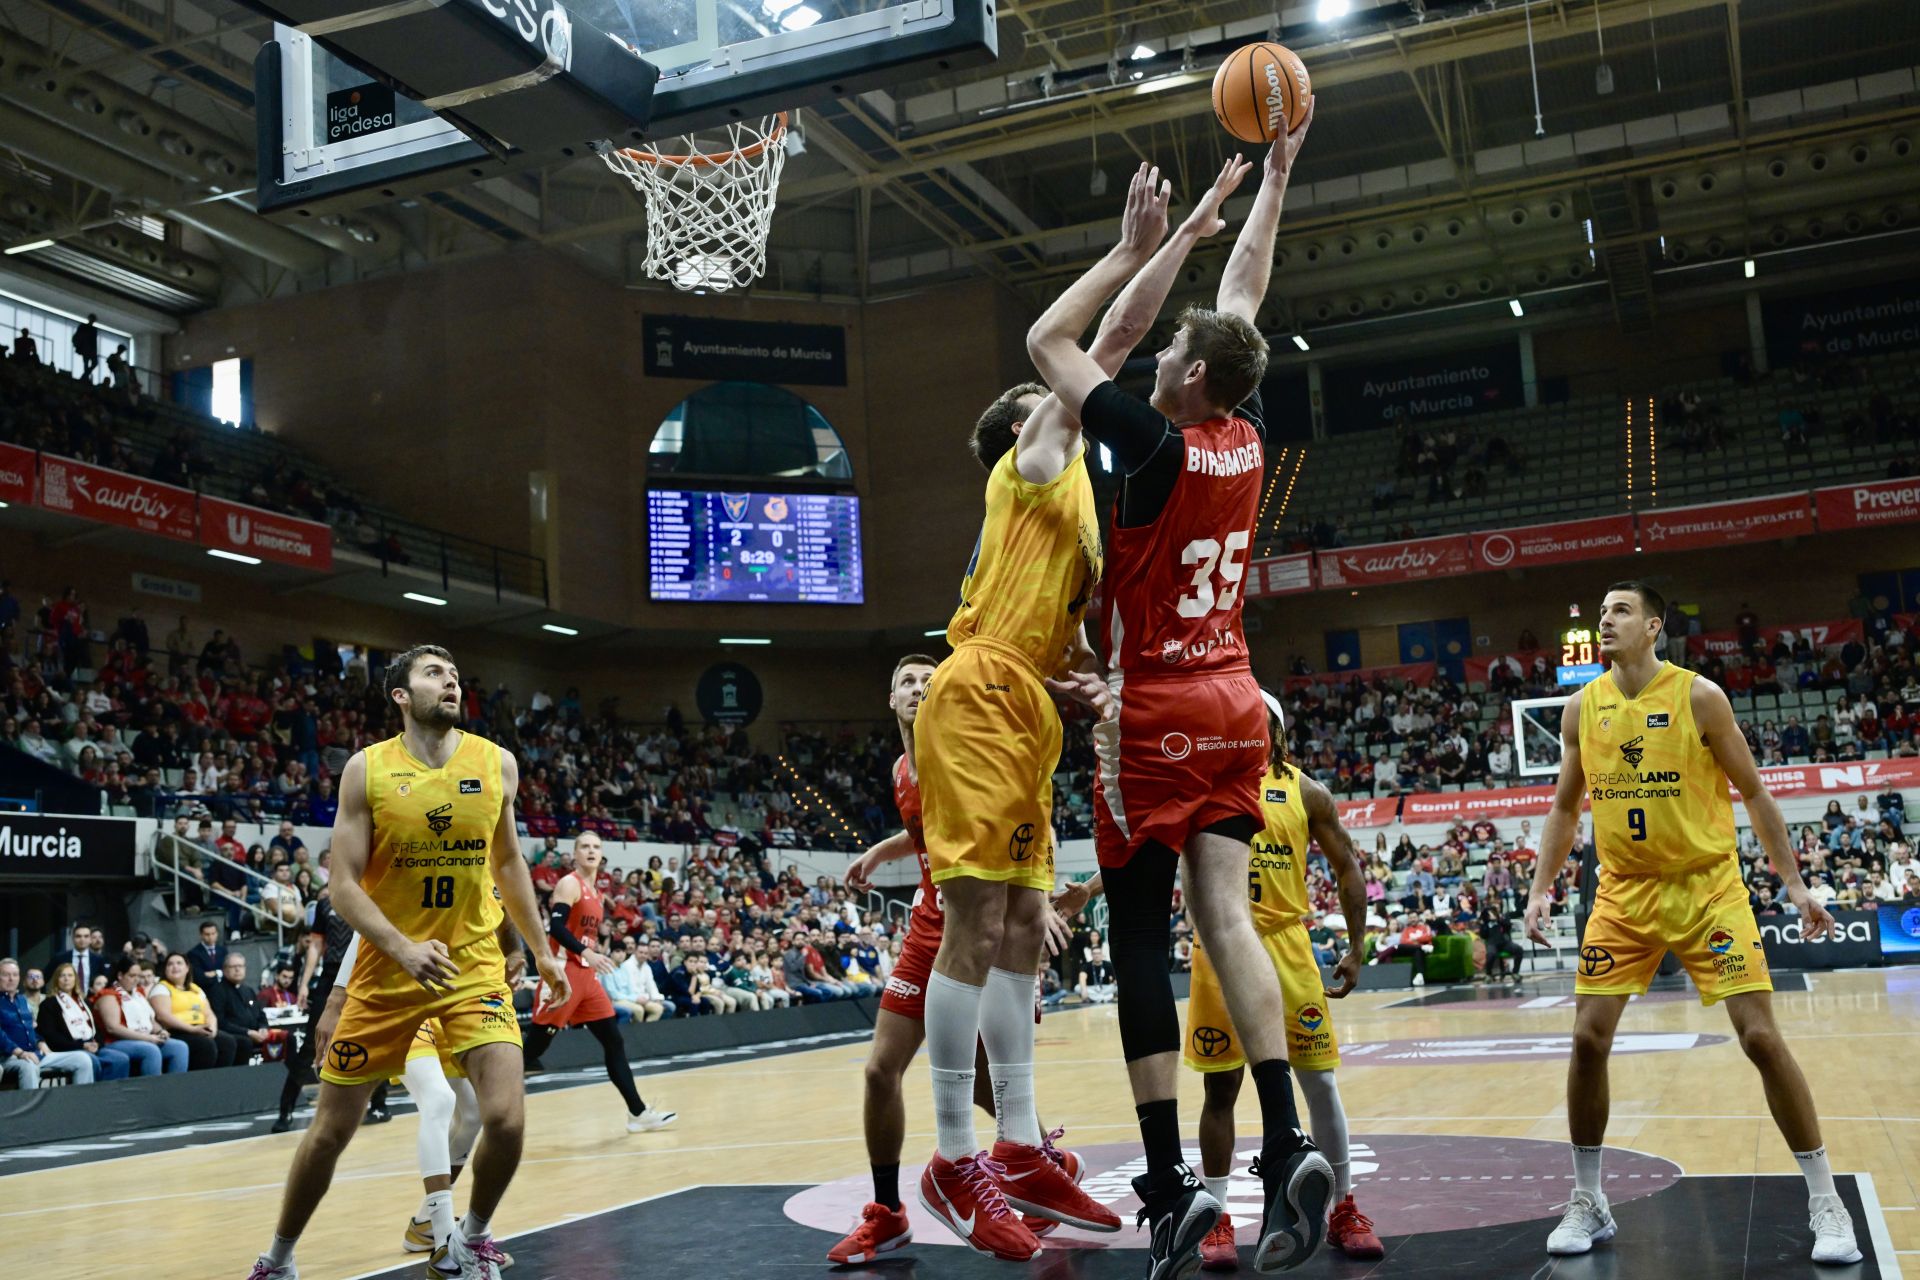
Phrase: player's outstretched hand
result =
(602, 962)
(1057, 933)
(429, 964)
(1538, 909)
(1816, 922)
(1144, 223)
(1280, 155)
(1346, 974)
(553, 976)
(1087, 689)
(1205, 220)
(860, 871)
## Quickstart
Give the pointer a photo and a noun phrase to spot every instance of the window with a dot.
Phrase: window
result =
(52, 332)
(226, 391)
(747, 429)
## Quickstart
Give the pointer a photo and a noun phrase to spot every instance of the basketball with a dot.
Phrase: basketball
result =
(1258, 88)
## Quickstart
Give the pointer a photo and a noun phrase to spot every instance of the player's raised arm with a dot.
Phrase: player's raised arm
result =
(1243, 285)
(1323, 824)
(860, 871)
(1714, 716)
(427, 962)
(1556, 834)
(515, 883)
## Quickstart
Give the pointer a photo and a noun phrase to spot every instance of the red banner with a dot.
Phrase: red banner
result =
(1396, 561)
(16, 474)
(1821, 635)
(1421, 673)
(1852, 775)
(1377, 812)
(1722, 524)
(1537, 544)
(114, 497)
(1861, 506)
(1466, 806)
(233, 526)
(1481, 669)
(1281, 576)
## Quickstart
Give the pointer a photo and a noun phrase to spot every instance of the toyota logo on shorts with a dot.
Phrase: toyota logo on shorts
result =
(1595, 961)
(346, 1056)
(1176, 746)
(1210, 1042)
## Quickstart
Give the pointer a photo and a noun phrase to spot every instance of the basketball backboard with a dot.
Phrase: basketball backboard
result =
(1536, 735)
(719, 60)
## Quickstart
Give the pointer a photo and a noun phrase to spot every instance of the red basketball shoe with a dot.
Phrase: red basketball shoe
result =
(880, 1230)
(1034, 1183)
(1217, 1251)
(1070, 1161)
(965, 1194)
(1351, 1232)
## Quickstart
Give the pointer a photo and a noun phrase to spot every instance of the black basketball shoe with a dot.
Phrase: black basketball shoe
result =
(1298, 1188)
(1179, 1213)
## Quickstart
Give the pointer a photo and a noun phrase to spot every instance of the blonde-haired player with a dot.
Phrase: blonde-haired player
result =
(1654, 746)
(1294, 809)
(425, 853)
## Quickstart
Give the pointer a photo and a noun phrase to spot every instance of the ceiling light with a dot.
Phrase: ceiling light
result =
(1332, 10)
(559, 630)
(30, 246)
(1301, 343)
(937, 631)
(1749, 268)
(234, 556)
(5, 505)
(778, 7)
(800, 19)
(745, 640)
(1513, 304)
(415, 595)
(1142, 53)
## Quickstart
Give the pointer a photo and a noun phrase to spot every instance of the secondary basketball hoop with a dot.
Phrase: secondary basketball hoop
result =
(709, 209)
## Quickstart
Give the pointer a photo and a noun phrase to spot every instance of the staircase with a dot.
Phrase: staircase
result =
(1622, 214)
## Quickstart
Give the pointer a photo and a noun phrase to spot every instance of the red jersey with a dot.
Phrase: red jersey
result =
(583, 922)
(1176, 584)
(929, 917)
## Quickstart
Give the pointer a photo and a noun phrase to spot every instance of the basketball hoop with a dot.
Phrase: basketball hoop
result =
(709, 211)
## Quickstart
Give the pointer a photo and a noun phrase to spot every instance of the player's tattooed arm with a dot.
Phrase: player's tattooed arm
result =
(1323, 824)
(1243, 285)
(1556, 834)
(1713, 714)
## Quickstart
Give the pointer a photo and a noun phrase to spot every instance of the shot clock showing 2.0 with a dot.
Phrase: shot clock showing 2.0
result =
(1579, 658)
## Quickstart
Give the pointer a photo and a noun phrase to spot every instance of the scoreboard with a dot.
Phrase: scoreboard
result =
(1579, 657)
(776, 548)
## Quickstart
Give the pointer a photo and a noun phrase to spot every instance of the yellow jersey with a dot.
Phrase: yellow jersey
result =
(1034, 566)
(428, 870)
(1277, 872)
(1660, 802)
(188, 1003)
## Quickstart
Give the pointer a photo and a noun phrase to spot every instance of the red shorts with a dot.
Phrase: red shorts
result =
(1186, 753)
(906, 989)
(586, 1001)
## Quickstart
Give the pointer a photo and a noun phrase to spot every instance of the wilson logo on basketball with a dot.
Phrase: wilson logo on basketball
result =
(1210, 1042)
(1276, 100)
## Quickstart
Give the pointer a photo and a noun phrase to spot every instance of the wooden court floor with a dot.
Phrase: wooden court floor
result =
(1454, 1068)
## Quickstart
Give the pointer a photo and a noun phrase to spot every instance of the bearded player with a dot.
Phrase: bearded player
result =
(425, 853)
(1654, 746)
(573, 938)
(988, 740)
(1181, 764)
(897, 1028)
(1295, 809)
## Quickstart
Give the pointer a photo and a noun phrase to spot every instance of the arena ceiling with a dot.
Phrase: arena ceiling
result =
(1435, 178)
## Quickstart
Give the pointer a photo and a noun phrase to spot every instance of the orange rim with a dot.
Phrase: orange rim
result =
(702, 158)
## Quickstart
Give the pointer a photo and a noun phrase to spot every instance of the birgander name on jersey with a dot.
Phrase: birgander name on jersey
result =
(1627, 785)
(1226, 462)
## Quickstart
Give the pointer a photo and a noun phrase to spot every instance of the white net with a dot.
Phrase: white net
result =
(709, 208)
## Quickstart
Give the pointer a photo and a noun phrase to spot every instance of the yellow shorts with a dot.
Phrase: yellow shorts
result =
(1211, 1044)
(379, 1031)
(1702, 916)
(987, 740)
(430, 1041)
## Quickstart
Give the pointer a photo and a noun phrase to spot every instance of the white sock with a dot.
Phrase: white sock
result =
(1586, 1169)
(280, 1252)
(1327, 1121)
(437, 1208)
(1819, 1175)
(1217, 1187)
(953, 1028)
(1006, 1028)
(474, 1227)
